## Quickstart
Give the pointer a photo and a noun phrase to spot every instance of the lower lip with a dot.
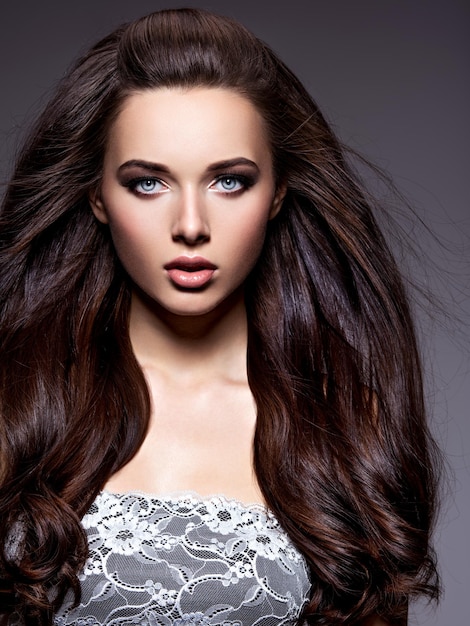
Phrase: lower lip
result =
(190, 280)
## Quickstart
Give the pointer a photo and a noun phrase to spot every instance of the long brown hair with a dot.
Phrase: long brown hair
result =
(342, 452)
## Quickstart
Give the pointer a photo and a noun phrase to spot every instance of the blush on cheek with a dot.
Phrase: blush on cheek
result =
(251, 247)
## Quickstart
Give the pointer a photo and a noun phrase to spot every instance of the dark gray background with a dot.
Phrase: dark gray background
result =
(392, 77)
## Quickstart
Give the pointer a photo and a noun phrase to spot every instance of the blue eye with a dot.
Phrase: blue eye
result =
(147, 186)
(229, 184)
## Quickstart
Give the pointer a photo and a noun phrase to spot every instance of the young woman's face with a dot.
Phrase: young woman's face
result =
(187, 191)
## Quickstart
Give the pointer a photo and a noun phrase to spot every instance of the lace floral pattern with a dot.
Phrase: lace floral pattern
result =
(186, 561)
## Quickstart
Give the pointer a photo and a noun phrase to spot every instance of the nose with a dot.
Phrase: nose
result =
(190, 224)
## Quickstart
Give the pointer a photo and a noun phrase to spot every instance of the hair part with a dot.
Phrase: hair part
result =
(342, 452)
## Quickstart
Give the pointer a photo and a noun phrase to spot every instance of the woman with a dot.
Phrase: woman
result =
(211, 400)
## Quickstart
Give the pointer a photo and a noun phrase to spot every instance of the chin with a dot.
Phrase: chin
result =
(195, 312)
(185, 305)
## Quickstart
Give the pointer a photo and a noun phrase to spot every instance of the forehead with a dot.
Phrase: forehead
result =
(171, 123)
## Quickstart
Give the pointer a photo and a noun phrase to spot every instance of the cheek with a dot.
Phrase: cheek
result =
(124, 239)
(133, 242)
(248, 238)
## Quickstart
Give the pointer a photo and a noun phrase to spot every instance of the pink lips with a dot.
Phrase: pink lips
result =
(190, 272)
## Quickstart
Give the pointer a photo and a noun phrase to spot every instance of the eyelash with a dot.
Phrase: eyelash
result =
(134, 182)
(243, 180)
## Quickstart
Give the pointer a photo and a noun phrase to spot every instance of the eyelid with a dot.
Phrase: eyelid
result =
(133, 182)
(246, 181)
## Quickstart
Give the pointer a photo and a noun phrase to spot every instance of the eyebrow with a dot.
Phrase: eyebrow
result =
(223, 165)
(214, 167)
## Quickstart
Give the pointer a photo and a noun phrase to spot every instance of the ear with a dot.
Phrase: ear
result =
(277, 200)
(97, 205)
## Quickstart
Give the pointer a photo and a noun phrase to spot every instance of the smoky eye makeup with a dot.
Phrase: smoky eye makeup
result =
(234, 176)
(229, 178)
(145, 185)
(141, 178)
(233, 183)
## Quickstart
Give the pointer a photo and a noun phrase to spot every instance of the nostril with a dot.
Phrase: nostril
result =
(191, 239)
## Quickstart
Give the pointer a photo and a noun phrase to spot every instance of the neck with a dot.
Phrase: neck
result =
(213, 344)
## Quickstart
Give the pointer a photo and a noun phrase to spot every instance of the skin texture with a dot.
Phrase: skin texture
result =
(191, 342)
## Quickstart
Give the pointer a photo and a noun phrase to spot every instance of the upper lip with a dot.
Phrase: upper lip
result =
(190, 264)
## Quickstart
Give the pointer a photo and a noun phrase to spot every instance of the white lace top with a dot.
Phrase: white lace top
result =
(187, 561)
